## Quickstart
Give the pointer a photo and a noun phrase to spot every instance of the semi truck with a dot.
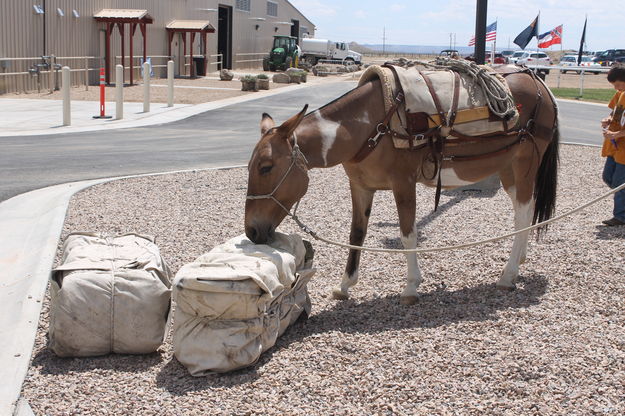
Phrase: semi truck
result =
(314, 49)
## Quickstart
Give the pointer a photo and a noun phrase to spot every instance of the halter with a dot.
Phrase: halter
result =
(296, 154)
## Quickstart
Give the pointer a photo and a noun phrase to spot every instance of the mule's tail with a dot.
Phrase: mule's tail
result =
(547, 182)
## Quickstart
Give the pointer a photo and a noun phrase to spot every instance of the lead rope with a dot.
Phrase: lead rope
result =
(314, 235)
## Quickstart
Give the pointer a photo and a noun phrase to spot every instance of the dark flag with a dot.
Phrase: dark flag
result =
(524, 37)
(581, 44)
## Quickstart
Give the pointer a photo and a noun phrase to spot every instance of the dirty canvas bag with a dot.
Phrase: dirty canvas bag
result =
(233, 302)
(109, 294)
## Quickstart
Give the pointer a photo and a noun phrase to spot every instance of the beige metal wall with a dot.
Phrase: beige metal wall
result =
(21, 34)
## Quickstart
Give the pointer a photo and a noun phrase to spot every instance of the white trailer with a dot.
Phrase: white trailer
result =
(315, 49)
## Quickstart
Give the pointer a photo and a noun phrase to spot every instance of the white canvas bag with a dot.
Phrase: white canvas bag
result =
(110, 294)
(233, 302)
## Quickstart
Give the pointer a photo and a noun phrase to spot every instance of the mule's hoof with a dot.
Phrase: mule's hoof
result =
(339, 295)
(407, 300)
(506, 288)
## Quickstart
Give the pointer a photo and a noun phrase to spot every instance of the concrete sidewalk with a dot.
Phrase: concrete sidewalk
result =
(28, 117)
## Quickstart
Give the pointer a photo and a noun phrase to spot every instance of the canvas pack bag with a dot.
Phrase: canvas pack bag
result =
(109, 294)
(233, 302)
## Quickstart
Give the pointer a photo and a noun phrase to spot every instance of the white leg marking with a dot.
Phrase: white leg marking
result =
(327, 130)
(409, 295)
(522, 219)
(342, 292)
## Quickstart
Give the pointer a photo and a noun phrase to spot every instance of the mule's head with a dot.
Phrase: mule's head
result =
(277, 178)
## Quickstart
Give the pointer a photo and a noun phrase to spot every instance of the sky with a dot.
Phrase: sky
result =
(452, 22)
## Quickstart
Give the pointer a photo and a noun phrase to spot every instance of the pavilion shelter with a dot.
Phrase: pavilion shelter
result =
(119, 18)
(192, 27)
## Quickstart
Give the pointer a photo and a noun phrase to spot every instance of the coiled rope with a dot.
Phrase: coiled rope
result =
(498, 97)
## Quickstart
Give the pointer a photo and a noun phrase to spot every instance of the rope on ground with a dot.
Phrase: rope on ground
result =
(458, 246)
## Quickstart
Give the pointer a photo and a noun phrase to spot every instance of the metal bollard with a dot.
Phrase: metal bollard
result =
(146, 87)
(67, 116)
(119, 92)
(170, 83)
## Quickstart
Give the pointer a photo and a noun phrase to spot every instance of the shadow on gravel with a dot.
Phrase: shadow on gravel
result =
(175, 378)
(51, 364)
(610, 233)
(433, 309)
(458, 196)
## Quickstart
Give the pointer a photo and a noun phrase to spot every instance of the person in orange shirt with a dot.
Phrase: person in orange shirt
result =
(614, 144)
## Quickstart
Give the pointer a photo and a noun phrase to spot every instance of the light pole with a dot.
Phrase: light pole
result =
(480, 31)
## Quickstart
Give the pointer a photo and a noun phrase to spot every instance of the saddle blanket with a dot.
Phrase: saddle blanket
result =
(418, 113)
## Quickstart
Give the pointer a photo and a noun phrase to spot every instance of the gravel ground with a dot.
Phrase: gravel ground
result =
(556, 345)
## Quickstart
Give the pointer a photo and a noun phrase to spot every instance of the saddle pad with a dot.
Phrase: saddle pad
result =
(473, 116)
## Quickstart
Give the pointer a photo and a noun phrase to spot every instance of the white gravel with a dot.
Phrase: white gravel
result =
(556, 345)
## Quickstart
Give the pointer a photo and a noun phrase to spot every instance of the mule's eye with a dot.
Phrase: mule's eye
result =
(265, 169)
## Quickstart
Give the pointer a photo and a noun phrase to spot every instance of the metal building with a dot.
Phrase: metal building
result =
(38, 35)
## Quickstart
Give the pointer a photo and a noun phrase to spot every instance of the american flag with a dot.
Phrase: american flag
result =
(491, 34)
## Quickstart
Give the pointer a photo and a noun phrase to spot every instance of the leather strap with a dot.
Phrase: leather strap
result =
(378, 133)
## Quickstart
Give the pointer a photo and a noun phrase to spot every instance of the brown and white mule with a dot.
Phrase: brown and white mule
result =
(526, 163)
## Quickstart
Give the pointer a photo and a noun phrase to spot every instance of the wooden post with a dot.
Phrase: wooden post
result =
(121, 32)
(184, 52)
(133, 28)
(86, 74)
(107, 52)
(145, 42)
(192, 72)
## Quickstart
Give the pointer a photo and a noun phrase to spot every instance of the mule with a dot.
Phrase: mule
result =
(526, 163)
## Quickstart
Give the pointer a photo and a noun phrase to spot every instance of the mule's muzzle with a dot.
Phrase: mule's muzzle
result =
(259, 234)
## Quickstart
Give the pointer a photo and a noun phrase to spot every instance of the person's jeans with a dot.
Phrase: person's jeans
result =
(613, 176)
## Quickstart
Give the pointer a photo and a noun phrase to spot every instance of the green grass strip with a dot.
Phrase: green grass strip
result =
(600, 95)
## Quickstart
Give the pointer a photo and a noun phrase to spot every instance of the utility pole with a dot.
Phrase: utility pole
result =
(383, 39)
(480, 31)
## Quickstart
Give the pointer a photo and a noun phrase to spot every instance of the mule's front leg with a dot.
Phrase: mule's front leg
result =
(405, 200)
(361, 210)
(523, 212)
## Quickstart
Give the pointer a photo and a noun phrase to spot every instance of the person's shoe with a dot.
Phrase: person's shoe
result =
(613, 222)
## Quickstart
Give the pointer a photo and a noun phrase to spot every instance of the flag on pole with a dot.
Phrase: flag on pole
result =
(491, 34)
(552, 37)
(527, 34)
(581, 43)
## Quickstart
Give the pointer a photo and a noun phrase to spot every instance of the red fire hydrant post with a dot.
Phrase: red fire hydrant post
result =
(102, 96)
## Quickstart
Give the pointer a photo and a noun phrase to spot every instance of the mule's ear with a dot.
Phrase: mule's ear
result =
(266, 123)
(289, 126)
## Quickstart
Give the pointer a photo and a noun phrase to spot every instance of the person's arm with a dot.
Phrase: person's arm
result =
(605, 122)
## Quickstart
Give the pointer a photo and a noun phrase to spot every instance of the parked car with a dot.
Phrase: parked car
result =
(571, 60)
(609, 56)
(452, 53)
(515, 56)
(534, 58)
(499, 59)
(507, 54)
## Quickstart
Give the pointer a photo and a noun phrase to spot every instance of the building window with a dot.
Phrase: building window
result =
(272, 9)
(243, 5)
